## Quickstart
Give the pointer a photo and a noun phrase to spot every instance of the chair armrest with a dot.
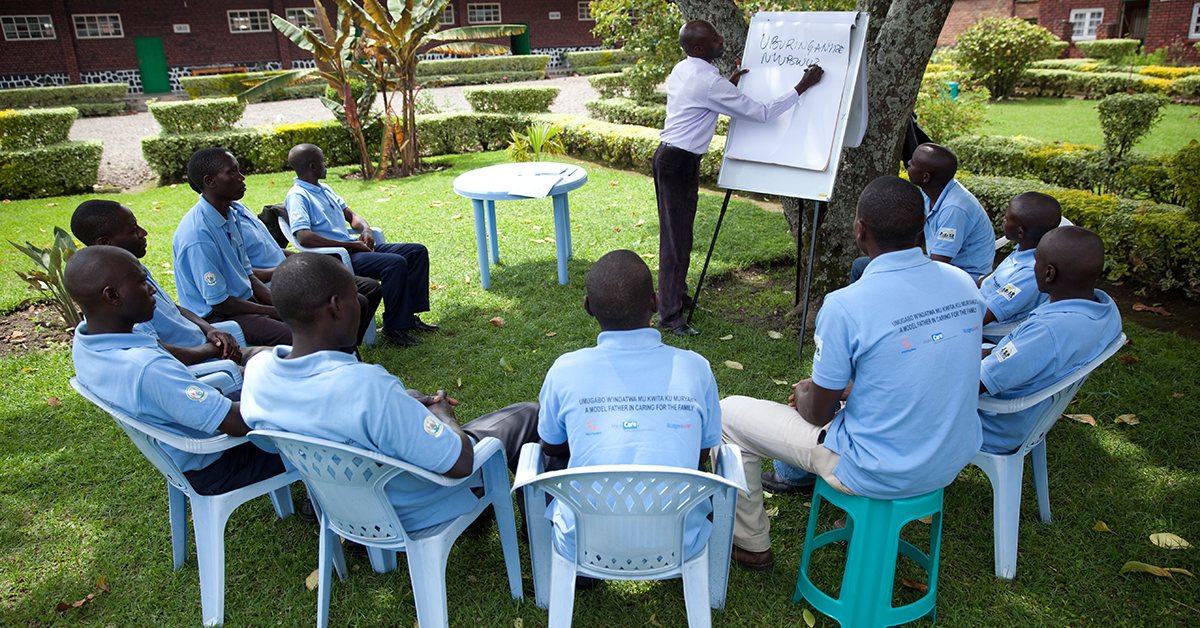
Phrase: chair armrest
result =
(989, 403)
(224, 375)
(375, 231)
(329, 250)
(530, 465)
(729, 465)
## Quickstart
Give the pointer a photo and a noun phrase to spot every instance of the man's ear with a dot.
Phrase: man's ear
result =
(653, 302)
(587, 307)
(1051, 273)
(207, 181)
(103, 240)
(111, 295)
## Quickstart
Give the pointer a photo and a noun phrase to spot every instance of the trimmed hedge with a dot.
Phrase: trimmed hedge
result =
(611, 85)
(482, 78)
(90, 100)
(197, 116)
(1109, 49)
(224, 85)
(626, 111)
(511, 99)
(1165, 72)
(1078, 65)
(462, 132)
(1188, 86)
(483, 65)
(1094, 85)
(590, 62)
(56, 170)
(32, 128)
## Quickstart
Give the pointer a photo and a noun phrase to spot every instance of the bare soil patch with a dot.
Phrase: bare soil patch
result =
(32, 326)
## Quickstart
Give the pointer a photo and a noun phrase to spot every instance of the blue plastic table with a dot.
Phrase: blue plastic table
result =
(487, 185)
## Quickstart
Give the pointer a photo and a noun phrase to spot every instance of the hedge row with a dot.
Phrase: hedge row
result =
(1110, 49)
(63, 168)
(90, 100)
(1046, 82)
(1155, 245)
(197, 116)
(482, 78)
(31, 128)
(511, 99)
(590, 62)
(224, 85)
(483, 65)
(620, 84)
(626, 111)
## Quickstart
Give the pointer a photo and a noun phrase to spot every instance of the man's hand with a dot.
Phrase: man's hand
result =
(367, 237)
(226, 344)
(358, 246)
(802, 387)
(737, 76)
(812, 76)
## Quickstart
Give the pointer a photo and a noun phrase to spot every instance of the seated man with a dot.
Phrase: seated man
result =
(957, 229)
(906, 337)
(213, 276)
(1056, 340)
(318, 217)
(188, 337)
(1011, 292)
(138, 377)
(629, 360)
(264, 255)
(292, 389)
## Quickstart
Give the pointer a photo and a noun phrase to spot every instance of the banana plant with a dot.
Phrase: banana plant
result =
(48, 277)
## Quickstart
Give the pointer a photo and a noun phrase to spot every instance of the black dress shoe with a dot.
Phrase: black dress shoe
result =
(421, 325)
(400, 337)
(307, 513)
(685, 330)
(771, 481)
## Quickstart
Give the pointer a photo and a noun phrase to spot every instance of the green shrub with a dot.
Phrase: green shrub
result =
(1188, 86)
(612, 85)
(626, 111)
(99, 98)
(1184, 171)
(55, 170)
(511, 99)
(1056, 48)
(942, 117)
(197, 116)
(225, 85)
(482, 78)
(1052, 82)
(1109, 49)
(462, 132)
(1164, 72)
(1076, 65)
(31, 128)
(1126, 118)
(996, 51)
(590, 62)
(484, 65)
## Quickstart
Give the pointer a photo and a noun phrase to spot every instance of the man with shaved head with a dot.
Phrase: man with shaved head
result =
(1011, 292)
(901, 348)
(136, 375)
(1056, 340)
(696, 95)
(630, 399)
(957, 229)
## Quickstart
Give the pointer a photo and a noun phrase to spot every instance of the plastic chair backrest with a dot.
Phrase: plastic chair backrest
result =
(1062, 392)
(630, 518)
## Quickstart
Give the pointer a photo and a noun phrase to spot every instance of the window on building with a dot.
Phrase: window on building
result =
(447, 18)
(97, 26)
(18, 27)
(585, 12)
(483, 13)
(302, 18)
(1085, 21)
(1194, 30)
(249, 21)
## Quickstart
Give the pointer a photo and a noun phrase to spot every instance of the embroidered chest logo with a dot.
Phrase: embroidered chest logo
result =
(947, 234)
(817, 351)
(1009, 291)
(1007, 351)
(196, 393)
(629, 425)
(938, 337)
(210, 278)
(434, 427)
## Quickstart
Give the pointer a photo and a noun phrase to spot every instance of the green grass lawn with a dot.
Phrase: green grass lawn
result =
(1076, 121)
(77, 501)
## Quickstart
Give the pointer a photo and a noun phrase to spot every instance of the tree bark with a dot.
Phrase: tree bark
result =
(729, 22)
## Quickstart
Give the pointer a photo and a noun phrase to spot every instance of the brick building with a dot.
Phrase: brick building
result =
(965, 13)
(1157, 23)
(151, 43)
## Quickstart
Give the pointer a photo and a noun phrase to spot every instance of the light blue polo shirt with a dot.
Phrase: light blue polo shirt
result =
(631, 400)
(959, 228)
(134, 374)
(1055, 341)
(1011, 291)
(261, 248)
(908, 335)
(331, 395)
(210, 259)
(168, 325)
(318, 209)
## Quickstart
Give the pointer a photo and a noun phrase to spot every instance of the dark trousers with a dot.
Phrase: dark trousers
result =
(259, 329)
(513, 426)
(370, 293)
(238, 467)
(403, 269)
(677, 186)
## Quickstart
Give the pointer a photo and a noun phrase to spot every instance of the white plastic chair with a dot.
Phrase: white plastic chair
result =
(1005, 471)
(346, 484)
(209, 512)
(629, 525)
(343, 254)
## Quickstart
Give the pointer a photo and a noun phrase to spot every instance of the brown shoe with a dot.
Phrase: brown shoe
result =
(753, 561)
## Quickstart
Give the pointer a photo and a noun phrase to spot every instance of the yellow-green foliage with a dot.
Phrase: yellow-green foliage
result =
(1185, 174)
(55, 170)
(31, 128)
(1165, 72)
(102, 99)
(511, 99)
(1154, 86)
(197, 116)
(221, 85)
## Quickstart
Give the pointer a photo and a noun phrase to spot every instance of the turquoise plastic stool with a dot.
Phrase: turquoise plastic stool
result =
(873, 531)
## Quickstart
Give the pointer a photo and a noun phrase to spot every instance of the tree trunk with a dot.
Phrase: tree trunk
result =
(729, 22)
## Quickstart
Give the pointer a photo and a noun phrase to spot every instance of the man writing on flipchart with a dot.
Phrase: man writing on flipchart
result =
(696, 94)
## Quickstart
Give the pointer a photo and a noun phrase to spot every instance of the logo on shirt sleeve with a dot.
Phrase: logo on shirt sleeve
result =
(1007, 351)
(1009, 291)
(196, 393)
(947, 234)
(817, 351)
(210, 279)
(296, 215)
(434, 427)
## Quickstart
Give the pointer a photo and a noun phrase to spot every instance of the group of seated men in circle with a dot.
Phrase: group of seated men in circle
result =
(890, 410)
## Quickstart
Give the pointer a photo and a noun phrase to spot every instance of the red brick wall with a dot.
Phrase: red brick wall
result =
(568, 30)
(965, 13)
(1169, 21)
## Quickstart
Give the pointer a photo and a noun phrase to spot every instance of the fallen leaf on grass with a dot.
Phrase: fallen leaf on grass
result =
(54, 401)
(102, 583)
(472, 578)
(912, 584)
(497, 321)
(436, 287)
(456, 217)
(1139, 307)
(734, 365)
(652, 622)
(508, 367)
(926, 520)
(1179, 395)
(51, 204)
(1102, 527)
(639, 223)
(781, 382)
(518, 623)
(839, 524)
(1162, 572)
(551, 334)
(1128, 419)
(313, 579)
(616, 228)
(729, 337)
(809, 620)
(1082, 418)
(63, 607)
(774, 334)
(29, 369)
(16, 334)
(1169, 541)
(773, 511)
(1128, 359)
(612, 182)
(458, 380)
